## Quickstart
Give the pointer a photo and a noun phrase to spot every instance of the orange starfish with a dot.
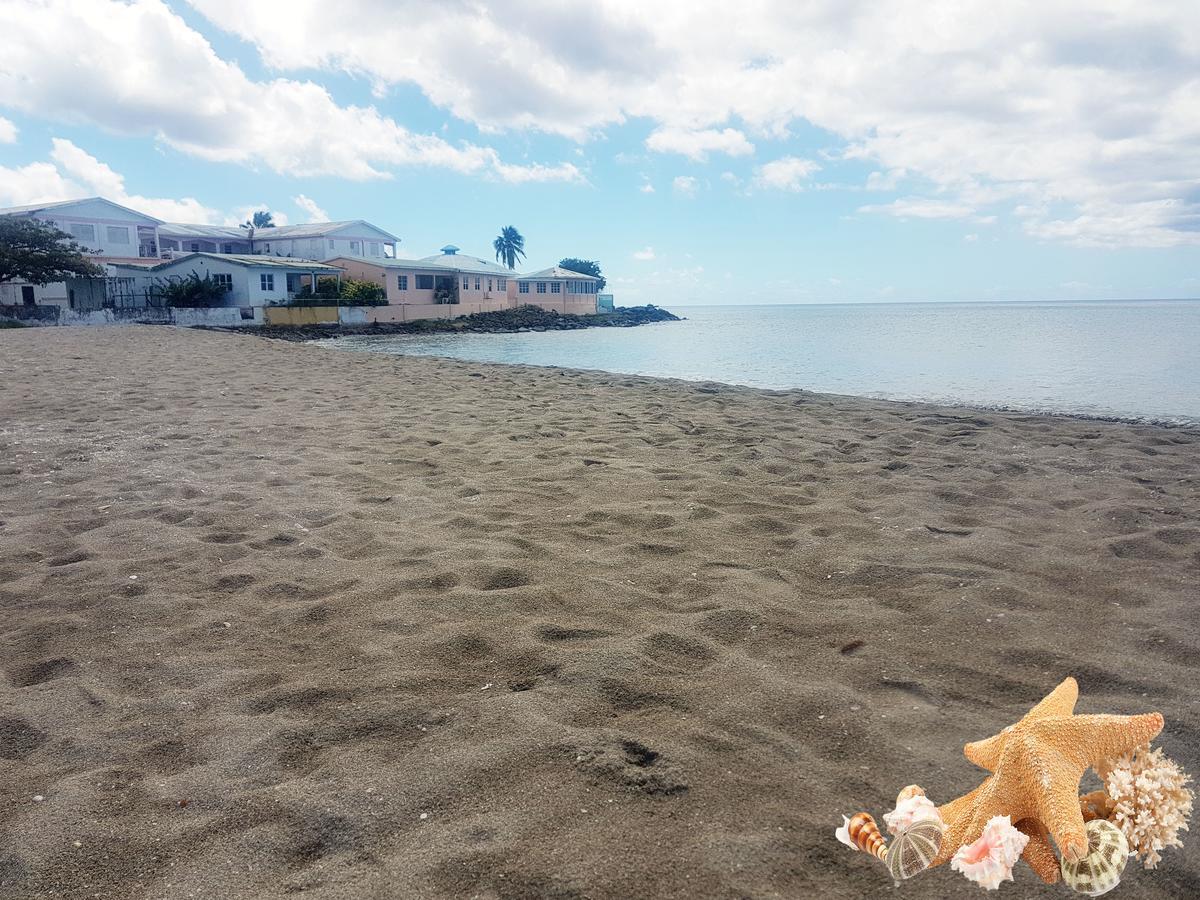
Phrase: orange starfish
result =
(1037, 764)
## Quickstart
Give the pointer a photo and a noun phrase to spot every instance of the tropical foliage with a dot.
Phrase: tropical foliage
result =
(37, 252)
(352, 292)
(194, 291)
(584, 267)
(509, 246)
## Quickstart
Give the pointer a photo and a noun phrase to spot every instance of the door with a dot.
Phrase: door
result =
(27, 294)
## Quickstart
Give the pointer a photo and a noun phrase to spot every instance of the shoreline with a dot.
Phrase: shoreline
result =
(285, 621)
(1012, 410)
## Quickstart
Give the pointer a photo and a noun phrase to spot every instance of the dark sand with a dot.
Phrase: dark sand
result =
(278, 619)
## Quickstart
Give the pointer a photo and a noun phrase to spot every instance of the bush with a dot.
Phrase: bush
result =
(193, 291)
(353, 292)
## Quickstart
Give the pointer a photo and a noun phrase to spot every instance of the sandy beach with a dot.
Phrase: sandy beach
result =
(283, 619)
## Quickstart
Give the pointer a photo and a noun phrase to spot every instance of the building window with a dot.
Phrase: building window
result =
(489, 285)
(374, 248)
(356, 248)
(522, 287)
(555, 287)
(227, 248)
(333, 245)
(501, 284)
(194, 246)
(402, 282)
(476, 282)
(118, 234)
(267, 247)
(541, 287)
(83, 232)
(223, 280)
(466, 283)
(266, 282)
(424, 282)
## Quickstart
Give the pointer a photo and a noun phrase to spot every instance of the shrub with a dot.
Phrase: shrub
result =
(192, 291)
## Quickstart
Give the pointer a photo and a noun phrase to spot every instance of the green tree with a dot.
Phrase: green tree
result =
(584, 267)
(509, 246)
(261, 219)
(37, 252)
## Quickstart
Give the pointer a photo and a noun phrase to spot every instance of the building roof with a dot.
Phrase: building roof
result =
(557, 272)
(59, 204)
(311, 230)
(252, 262)
(462, 263)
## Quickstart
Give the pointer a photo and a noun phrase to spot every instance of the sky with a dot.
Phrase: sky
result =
(772, 151)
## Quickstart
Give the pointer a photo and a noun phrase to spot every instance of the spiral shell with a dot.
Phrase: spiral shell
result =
(864, 833)
(914, 849)
(1100, 870)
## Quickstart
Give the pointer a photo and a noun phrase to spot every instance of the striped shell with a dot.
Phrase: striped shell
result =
(865, 835)
(914, 849)
(1100, 870)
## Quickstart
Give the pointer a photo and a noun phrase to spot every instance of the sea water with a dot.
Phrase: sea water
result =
(1125, 359)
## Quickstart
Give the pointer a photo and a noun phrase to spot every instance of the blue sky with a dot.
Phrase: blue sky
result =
(828, 151)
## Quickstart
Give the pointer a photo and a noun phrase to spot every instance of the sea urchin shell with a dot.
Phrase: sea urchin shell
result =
(914, 848)
(1100, 870)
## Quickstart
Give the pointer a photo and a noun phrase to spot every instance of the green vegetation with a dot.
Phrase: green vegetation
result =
(353, 292)
(37, 252)
(509, 246)
(192, 291)
(584, 267)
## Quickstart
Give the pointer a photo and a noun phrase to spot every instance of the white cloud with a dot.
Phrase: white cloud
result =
(644, 255)
(922, 208)
(1091, 106)
(647, 188)
(72, 173)
(8, 131)
(685, 185)
(698, 144)
(310, 208)
(149, 73)
(970, 238)
(788, 173)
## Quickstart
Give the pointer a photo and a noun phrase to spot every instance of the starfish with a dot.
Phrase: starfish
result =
(1037, 764)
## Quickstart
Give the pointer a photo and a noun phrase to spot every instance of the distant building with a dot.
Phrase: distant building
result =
(447, 277)
(355, 239)
(559, 289)
(604, 303)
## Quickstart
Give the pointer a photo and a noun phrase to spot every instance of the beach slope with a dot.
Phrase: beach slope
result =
(281, 619)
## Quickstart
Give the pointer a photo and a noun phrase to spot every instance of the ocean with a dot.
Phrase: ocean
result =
(1124, 359)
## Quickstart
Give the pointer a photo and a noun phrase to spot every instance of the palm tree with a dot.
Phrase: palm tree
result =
(261, 219)
(509, 246)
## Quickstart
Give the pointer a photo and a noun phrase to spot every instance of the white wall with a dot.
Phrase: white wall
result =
(100, 217)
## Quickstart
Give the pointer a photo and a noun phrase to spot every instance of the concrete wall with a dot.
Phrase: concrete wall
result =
(52, 315)
(300, 315)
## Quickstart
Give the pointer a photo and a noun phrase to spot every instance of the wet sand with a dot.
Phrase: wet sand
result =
(282, 619)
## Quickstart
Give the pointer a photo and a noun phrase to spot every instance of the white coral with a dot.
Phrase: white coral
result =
(1151, 801)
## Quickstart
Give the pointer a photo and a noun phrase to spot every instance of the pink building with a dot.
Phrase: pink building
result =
(447, 279)
(559, 289)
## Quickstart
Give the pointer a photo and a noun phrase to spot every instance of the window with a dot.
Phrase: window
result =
(227, 248)
(501, 284)
(332, 245)
(223, 280)
(476, 282)
(522, 287)
(194, 246)
(402, 282)
(266, 282)
(356, 248)
(374, 248)
(424, 282)
(466, 282)
(489, 284)
(267, 247)
(555, 287)
(83, 232)
(118, 234)
(541, 287)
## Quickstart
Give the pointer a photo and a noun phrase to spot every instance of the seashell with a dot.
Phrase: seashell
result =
(913, 790)
(861, 832)
(1100, 870)
(914, 849)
